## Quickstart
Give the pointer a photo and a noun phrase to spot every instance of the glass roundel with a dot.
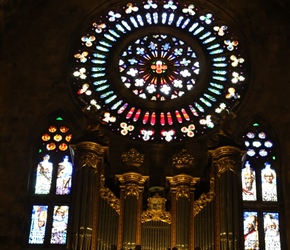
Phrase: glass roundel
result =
(159, 67)
(159, 71)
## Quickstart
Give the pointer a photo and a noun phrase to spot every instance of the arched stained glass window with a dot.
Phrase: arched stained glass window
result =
(260, 191)
(163, 68)
(51, 186)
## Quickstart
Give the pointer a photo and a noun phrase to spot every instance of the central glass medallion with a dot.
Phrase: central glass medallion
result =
(159, 67)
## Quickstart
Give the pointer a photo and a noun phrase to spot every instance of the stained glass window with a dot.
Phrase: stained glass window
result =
(164, 69)
(260, 190)
(52, 182)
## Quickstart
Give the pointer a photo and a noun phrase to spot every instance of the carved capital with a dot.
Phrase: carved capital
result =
(132, 183)
(182, 191)
(227, 158)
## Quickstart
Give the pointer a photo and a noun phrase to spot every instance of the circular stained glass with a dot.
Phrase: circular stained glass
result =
(159, 67)
(160, 71)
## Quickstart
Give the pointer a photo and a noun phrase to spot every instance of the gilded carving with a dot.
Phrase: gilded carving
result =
(182, 191)
(205, 198)
(182, 159)
(109, 196)
(156, 210)
(88, 160)
(224, 165)
(132, 189)
(133, 158)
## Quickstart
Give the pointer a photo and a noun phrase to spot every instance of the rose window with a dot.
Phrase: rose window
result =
(160, 71)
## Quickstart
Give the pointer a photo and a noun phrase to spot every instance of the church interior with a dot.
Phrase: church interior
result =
(153, 125)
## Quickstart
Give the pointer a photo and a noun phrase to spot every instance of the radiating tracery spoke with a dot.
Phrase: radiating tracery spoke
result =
(159, 67)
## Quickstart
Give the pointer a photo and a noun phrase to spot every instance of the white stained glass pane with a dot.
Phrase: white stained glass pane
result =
(251, 239)
(269, 186)
(38, 224)
(272, 231)
(248, 183)
(43, 176)
(59, 225)
(64, 175)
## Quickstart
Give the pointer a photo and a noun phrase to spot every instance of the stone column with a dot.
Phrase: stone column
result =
(182, 194)
(88, 161)
(132, 186)
(227, 161)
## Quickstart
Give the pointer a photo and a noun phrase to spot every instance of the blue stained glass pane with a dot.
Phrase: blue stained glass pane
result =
(209, 40)
(99, 82)
(59, 225)
(38, 224)
(220, 72)
(193, 27)
(213, 46)
(199, 107)
(106, 94)
(220, 65)
(155, 17)
(98, 75)
(116, 105)
(185, 23)
(218, 51)
(219, 59)
(44, 176)
(106, 44)
(126, 25)
(101, 48)
(200, 29)
(164, 17)
(210, 97)
(98, 61)
(205, 35)
(148, 18)
(134, 22)
(99, 55)
(97, 69)
(220, 78)
(114, 33)
(109, 37)
(110, 99)
(217, 92)
(251, 235)
(140, 20)
(179, 20)
(102, 88)
(170, 19)
(64, 177)
(207, 103)
(272, 231)
(120, 28)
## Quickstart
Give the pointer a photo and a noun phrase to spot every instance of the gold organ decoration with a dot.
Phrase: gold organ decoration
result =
(156, 210)
(182, 159)
(109, 196)
(182, 185)
(205, 198)
(133, 158)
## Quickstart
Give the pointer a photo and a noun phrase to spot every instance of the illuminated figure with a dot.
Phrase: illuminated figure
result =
(64, 174)
(272, 233)
(269, 188)
(43, 176)
(59, 225)
(251, 241)
(248, 183)
(38, 224)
